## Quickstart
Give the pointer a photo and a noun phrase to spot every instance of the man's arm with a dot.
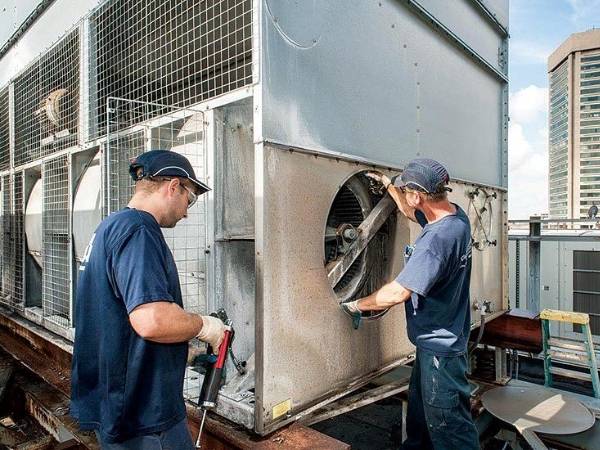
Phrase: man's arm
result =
(389, 295)
(167, 323)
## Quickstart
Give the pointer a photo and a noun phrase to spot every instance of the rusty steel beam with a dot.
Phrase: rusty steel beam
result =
(32, 349)
(220, 434)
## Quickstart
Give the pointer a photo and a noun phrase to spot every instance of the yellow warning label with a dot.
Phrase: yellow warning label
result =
(282, 408)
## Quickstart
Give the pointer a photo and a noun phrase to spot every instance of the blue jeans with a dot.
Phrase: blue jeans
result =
(175, 438)
(439, 408)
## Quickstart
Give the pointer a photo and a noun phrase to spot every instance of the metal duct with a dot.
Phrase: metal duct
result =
(87, 211)
(33, 222)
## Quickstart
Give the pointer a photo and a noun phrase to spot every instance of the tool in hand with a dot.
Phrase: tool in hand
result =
(214, 373)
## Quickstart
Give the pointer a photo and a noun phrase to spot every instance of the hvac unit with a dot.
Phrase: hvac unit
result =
(283, 107)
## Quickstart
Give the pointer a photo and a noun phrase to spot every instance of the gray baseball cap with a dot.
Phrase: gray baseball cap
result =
(424, 175)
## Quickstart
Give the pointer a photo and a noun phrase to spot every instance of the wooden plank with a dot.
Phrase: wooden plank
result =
(558, 355)
(565, 316)
(566, 344)
(585, 376)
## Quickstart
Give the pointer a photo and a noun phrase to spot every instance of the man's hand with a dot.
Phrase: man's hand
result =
(212, 332)
(352, 309)
(379, 178)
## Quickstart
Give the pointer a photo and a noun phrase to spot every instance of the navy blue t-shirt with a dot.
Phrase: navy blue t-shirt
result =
(122, 385)
(438, 272)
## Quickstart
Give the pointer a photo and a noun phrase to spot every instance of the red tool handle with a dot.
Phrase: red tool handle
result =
(223, 349)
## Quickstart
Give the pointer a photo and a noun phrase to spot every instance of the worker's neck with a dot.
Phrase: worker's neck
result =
(144, 202)
(435, 211)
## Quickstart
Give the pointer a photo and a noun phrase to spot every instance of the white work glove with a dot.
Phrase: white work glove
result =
(351, 307)
(380, 178)
(212, 332)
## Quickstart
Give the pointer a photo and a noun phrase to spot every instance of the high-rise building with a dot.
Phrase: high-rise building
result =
(574, 126)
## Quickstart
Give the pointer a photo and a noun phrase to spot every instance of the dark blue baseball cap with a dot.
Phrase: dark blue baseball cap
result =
(424, 175)
(164, 163)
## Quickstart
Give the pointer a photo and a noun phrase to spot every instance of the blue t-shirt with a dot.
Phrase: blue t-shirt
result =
(122, 385)
(438, 272)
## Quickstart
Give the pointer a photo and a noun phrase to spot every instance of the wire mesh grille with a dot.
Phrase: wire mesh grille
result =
(4, 130)
(167, 52)
(55, 241)
(6, 227)
(180, 131)
(47, 102)
(116, 165)
(18, 240)
(12, 240)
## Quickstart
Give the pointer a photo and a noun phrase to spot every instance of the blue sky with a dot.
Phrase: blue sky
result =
(537, 27)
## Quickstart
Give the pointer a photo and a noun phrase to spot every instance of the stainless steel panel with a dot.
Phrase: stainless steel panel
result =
(235, 280)
(498, 8)
(306, 348)
(460, 16)
(377, 82)
(234, 165)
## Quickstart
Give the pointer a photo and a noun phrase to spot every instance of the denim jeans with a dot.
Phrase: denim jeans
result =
(175, 438)
(439, 409)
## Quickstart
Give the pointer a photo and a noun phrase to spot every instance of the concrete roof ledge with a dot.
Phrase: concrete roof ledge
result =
(577, 42)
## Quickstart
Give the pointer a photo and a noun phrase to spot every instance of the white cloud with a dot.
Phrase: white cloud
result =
(527, 153)
(528, 104)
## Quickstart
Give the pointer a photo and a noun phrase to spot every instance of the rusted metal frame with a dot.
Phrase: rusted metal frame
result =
(220, 434)
(356, 401)
(41, 355)
(366, 231)
(50, 408)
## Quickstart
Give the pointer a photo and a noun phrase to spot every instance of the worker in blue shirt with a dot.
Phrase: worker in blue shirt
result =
(132, 333)
(434, 286)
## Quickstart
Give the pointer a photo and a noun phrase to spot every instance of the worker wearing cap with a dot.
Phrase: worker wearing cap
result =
(132, 333)
(434, 286)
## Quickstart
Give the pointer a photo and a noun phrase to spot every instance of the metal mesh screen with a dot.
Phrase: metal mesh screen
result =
(55, 241)
(18, 240)
(170, 52)
(180, 131)
(6, 212)
(12, 240)
(47, 102)
(4, 130)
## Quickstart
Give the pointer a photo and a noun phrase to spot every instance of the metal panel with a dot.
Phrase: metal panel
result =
(459, 17)
(234, 165)
(56, 295)
(498, 9)
(392, 88)
(306, 348)
(174, 53)
(4, 130)
(305, 345)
